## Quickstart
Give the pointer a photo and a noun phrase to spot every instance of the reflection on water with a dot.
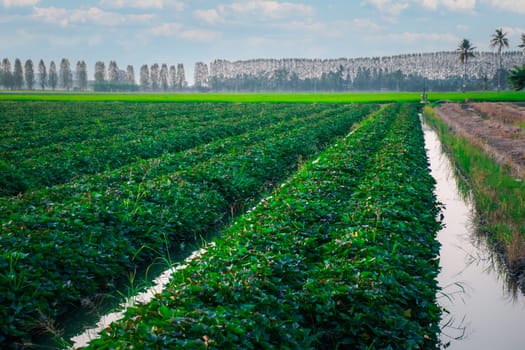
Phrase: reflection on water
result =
(485, 310)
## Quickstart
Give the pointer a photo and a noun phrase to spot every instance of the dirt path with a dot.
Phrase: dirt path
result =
(494, 128)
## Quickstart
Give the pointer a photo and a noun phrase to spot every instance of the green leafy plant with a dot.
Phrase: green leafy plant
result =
(342, 256)
(517, 78)
(81, 236)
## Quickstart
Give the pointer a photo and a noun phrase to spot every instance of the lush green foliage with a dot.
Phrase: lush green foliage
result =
(517, 78)
(48, 143)
(66, 242)
(342, 256)
(354, 97)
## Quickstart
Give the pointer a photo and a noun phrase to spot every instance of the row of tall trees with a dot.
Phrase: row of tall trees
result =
(436, 72)
(499, 41)
(156, 78)
(367, 79)
(26, 76)
(160, 77)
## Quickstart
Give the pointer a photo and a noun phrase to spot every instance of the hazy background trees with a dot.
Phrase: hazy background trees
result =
(100, 72)
(144, 77)
(65, 74)
(29, 74)
(173, 76)
(53, 75)
(113, 72)
(130, 75)
(155, 77)
(181, 77)
(82, 75)
(18, 75)
(6, 75)
(42, 74)
(164, 77)
(436, 71)
(201, 76)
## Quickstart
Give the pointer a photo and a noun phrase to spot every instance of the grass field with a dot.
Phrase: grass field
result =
(322, 97)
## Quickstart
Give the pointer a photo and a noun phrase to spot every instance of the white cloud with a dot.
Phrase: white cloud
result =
(513, 31)
(65, 17)
(19, 3)
(144, 4)
(252, 11)
(260, 41)
(54, 15)
(199, 35)
(411, 37)
(270, 9)
(454, 5)
(304, 26)
(462, 28)
(95, 15)
(392, 8)
(366, 24)
(431, 4)
(210, 16)
(509, 5)
(167, 29)
(395, 8)
(177, 30)
(332, 29)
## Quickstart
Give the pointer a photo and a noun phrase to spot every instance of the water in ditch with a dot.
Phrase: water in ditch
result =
(485, 309)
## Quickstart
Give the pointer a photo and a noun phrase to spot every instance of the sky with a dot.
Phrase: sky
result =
(141, 32)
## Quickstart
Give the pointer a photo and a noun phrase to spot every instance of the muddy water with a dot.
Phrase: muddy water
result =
(485, 310)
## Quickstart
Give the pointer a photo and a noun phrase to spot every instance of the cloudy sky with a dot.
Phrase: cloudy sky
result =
(183, 31)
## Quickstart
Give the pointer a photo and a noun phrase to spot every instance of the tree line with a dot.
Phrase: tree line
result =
(249, 76)
(366, 79)
(415, 72)
(499, 41)
(27, 76)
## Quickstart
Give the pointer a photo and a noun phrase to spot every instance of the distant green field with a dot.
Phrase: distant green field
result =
(322, 97)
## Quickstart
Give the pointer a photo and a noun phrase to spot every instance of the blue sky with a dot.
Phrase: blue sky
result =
(182, 31)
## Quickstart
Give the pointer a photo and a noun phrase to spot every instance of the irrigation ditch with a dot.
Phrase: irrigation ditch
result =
(484, 306)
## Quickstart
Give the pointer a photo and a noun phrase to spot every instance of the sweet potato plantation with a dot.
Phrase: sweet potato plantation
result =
(340, 253)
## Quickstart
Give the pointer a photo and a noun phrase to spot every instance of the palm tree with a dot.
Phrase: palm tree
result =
(465, 51)
(522, 45)
(517, 78)
(499, 40)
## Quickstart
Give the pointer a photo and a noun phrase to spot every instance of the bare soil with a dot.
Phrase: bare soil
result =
(494, 127)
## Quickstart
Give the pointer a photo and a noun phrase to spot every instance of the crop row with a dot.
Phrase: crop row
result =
(64, 243)
(342, 256)
(32, 168)
(38, 124)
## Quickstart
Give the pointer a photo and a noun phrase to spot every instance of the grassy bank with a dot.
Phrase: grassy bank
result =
(321, 97)
(499, 198)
